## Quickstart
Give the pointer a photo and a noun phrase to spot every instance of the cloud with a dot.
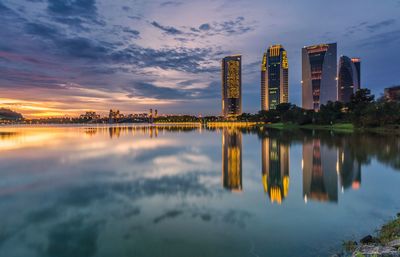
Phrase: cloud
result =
(75, 237)
(72, 7)
(204, 26)
(41, 30)
(146, 89)
(170, 3)
(382, 39)
(168, 215)
(167, 29)
(380, 25)
(74, 13)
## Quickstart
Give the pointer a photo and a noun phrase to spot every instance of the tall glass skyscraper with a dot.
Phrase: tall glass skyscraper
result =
(348, 78)
(274, 78)
(319, 81)
(232, 86)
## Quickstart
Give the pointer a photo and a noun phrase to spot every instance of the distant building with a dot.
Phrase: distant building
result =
(348, 78)
(90, 116)
(232, 159)
(155, 113)
(319, 70)
(275, 169)
(232, 86)
(274, 78)
(114, 116)
(392, 93)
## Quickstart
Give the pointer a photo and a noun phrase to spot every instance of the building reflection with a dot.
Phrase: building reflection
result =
(232, 159)
(320, 179)
(275, 169)
(349, 170)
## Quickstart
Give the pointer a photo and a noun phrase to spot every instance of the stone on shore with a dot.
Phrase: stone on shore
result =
(376, 251)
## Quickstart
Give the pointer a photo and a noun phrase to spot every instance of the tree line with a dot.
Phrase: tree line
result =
(363, 111)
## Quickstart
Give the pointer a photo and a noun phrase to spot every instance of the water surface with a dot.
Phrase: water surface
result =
(140, 191)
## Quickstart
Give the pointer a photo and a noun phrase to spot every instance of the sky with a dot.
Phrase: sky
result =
(66, 57)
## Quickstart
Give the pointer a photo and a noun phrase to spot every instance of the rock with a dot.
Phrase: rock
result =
(394, 243)
(376, 251)
(398, 215)
(367, 240)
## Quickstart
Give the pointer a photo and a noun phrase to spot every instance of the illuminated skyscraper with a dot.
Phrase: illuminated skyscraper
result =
(320, 178)
(232, 86)
(348, 78)
(275, 169)
(232, 159)
(319, 69)
(274, 78)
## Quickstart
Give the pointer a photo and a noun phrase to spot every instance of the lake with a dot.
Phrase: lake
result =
(190, 192)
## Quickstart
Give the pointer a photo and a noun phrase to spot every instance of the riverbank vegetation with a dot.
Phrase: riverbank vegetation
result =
(385, 243)
(363, 111)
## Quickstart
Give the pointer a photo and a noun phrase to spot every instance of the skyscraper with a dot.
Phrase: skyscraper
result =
(232, 86)
(319, 69)
(348, 78)
(274, 78)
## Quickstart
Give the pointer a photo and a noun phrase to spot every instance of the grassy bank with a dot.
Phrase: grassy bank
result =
(386, 239)
(341, 127)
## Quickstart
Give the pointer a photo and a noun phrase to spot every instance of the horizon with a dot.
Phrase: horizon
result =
(66, 58)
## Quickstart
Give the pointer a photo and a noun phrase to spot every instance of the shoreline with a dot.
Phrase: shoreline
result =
(338, 127)
(385, 242)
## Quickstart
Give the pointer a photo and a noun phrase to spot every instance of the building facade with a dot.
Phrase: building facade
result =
(392, 93)
(274, 78)
(319, 71)
(232, 86)
(348, 78)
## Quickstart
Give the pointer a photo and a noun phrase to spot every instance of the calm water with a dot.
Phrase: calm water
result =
(135, 191)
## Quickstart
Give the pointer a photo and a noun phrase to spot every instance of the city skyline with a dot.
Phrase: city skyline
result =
(70, 57)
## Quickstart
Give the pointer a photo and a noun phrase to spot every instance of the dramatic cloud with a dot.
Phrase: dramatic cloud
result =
(168, 52)
(167, 29)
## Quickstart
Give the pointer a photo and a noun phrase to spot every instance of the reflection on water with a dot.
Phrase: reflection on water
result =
(319, 172)
(232, 159)
(275, 168)
(156, 190)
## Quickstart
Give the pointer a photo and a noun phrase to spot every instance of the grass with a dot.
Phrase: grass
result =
(390, 231)
(341, 127)
(349, 246)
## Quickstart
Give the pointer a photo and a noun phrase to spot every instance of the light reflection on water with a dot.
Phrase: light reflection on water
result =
(168, 191)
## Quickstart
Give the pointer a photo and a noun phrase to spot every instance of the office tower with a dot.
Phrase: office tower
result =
(232, 86)
(320, 178)
(275, 169)
(274, 78)
(357, 64)
(319, 69)
(232, 159)
(348, 78)
(392, 93)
